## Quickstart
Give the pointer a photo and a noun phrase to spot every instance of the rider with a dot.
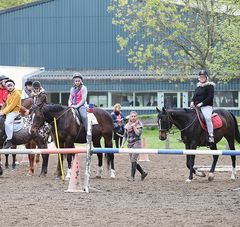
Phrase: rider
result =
(203, 98)
(78, 98)
(27, 91)
(39, 94)
(11, 110)
(3, 91)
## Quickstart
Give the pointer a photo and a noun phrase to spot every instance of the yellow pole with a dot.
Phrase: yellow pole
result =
(59, 155)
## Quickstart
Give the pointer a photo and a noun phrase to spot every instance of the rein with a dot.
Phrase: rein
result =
(65, 111)
(183, 129)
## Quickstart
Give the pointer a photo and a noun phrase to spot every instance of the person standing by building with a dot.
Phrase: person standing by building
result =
(3, 91)
(39, 94)
(27, 91)
(78, 98)
(11, 110)
(132, 134)
(203, 99)
(118, 121)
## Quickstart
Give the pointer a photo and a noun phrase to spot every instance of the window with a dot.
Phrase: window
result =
(146, 99)
(98, 99)
(170, 100)
(54, 98)
(125, 99)
(64, 98)
(226, 99)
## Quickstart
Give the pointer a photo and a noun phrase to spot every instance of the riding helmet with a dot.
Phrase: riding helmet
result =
(203, 72)
(2, 77)
(28, 83)
(77, 75)
(36, 84)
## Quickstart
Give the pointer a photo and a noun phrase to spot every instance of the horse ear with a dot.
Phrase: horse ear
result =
(158, 109)
(164, 109)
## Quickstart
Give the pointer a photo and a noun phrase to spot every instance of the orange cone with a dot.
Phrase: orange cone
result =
(143, 157)
(74, 183)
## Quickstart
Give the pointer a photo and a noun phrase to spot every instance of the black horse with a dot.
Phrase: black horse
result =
(193, 135)
(70, 130)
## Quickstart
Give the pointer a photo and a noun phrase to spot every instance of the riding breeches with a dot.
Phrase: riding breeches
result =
(83, 113)
(9, 124)
(207, 113)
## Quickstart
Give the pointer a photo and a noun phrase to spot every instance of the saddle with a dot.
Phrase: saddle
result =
(216, 120)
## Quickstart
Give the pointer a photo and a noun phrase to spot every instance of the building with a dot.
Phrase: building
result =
(67, 36)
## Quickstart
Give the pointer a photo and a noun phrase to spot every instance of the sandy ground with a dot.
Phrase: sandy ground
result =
(162, 199)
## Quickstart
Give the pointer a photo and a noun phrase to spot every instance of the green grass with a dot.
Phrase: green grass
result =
(151, 135)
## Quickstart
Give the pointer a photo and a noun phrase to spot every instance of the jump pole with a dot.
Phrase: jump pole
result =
(166, 151)
(44, 151)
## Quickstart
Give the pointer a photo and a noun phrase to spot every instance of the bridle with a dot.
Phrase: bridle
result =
(172, 121)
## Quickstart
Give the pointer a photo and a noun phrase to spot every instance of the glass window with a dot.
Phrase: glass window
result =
(226, 99)
(125, 99)
(54, 98)
(98, 99)
(170, 100)
(65, 97)
(146, 99)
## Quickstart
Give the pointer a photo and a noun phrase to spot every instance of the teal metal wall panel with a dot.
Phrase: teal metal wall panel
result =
(61, 34)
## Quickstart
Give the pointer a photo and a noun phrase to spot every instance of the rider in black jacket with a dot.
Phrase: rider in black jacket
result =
(203, 98)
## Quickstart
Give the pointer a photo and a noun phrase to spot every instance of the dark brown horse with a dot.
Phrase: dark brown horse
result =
(30, 143)
(193, 135)
(70, 130)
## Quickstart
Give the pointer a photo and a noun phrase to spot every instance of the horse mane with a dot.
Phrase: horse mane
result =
(53, 108)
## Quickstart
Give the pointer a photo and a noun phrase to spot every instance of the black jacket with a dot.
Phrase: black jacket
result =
(204, 93)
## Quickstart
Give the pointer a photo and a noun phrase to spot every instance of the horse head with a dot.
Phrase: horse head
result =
(38, 119)
(164, 123)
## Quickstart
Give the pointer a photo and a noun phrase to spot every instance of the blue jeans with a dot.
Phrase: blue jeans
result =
(82, 110)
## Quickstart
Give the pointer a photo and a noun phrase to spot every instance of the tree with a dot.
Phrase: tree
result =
(180, 35)
(4, 4)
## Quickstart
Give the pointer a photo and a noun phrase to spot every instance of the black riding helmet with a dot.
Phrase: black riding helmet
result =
(203, 72)
(36, 84)
(28, 83)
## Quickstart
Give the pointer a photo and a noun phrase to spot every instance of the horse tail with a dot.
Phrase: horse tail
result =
(237, 133)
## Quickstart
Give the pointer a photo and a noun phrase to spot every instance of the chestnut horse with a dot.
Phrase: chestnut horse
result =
(70, 130)
(193, 135)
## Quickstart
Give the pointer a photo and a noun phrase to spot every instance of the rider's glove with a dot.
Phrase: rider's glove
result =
(192, 105)
(199, 104)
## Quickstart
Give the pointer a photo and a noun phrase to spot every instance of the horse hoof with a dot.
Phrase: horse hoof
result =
(233, 177)
(13, 167)
(68, 174)
(6, 166)
(200, 173)
(188, 180)
(210, 177)
(1, 171)
(112, 175)
(98, 176)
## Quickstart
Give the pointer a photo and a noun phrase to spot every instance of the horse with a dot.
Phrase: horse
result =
(25, 105)
(23, 136)
(193, 135)
(70, 130)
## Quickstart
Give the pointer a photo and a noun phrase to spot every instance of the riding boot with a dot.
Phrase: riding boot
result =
(133, 170)
(143, 174)
(8, 144)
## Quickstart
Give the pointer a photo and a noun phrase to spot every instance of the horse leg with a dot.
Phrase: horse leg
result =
(14, 161)
(100, 165)
(37, 158)
(233, 158)
(1, 170)
(31, 164)
(110, 156)
(190, 164)
(214, 163)
(6, 161)
(70, 157)
(45, 158)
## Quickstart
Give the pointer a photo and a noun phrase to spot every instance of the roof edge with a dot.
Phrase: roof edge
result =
(27, 5)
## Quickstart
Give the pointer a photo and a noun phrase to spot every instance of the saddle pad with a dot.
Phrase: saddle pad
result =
(93, 118)
(216, 120)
